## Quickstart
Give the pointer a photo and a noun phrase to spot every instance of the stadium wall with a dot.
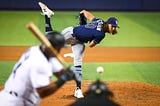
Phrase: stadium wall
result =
(74, 5)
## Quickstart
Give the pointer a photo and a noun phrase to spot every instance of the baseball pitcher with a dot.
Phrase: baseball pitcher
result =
(77, 36)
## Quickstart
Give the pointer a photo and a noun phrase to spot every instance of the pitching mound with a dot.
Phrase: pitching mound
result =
(125, 93)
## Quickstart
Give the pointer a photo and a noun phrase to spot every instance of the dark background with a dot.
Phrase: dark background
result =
(74, 5)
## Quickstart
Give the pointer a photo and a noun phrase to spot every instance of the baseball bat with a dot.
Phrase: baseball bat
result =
(33, 28)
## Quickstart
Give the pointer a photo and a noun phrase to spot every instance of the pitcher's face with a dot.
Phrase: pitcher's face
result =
(112, 30)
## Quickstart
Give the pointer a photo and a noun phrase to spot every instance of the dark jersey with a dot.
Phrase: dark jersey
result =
(90, 31)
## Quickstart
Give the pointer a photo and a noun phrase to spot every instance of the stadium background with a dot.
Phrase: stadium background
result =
(107, 5)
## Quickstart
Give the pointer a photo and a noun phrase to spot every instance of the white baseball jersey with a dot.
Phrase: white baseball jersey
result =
(32, 71)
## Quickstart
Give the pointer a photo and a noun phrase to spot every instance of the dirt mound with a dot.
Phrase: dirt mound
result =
(125, 93)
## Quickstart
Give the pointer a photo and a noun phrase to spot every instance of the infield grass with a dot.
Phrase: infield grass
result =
(113, 71)
(137, 29)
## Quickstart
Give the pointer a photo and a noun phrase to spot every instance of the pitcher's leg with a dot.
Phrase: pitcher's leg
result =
(47, 13)
(48, 26)
(78, 51)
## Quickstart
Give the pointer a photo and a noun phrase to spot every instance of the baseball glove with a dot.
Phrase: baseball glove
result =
(82, 19)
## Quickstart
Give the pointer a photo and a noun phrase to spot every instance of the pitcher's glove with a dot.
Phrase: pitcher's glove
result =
(82, 19)
(68, 75)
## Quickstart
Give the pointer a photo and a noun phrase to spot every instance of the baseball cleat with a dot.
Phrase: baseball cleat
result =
(45, 10)
(78, 93)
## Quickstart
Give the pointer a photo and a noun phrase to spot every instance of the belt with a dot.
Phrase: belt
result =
(13, 93)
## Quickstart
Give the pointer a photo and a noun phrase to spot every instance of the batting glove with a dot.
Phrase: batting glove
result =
(68, 75)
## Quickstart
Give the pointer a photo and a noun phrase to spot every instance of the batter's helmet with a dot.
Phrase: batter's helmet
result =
(56, 39)
(97, 95)
(98, 88)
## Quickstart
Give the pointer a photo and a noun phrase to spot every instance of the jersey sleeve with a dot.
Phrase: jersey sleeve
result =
(98, 39)
(40, 76)
(95, 19)
(56, 65)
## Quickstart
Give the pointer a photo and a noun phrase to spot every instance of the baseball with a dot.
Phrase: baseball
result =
(100, 69)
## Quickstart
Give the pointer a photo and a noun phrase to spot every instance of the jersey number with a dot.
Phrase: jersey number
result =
(24, 58)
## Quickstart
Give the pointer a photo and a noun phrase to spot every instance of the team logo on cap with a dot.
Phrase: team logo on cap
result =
(116, 22)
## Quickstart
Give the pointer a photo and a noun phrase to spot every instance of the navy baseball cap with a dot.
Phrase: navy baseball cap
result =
(113, 21)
